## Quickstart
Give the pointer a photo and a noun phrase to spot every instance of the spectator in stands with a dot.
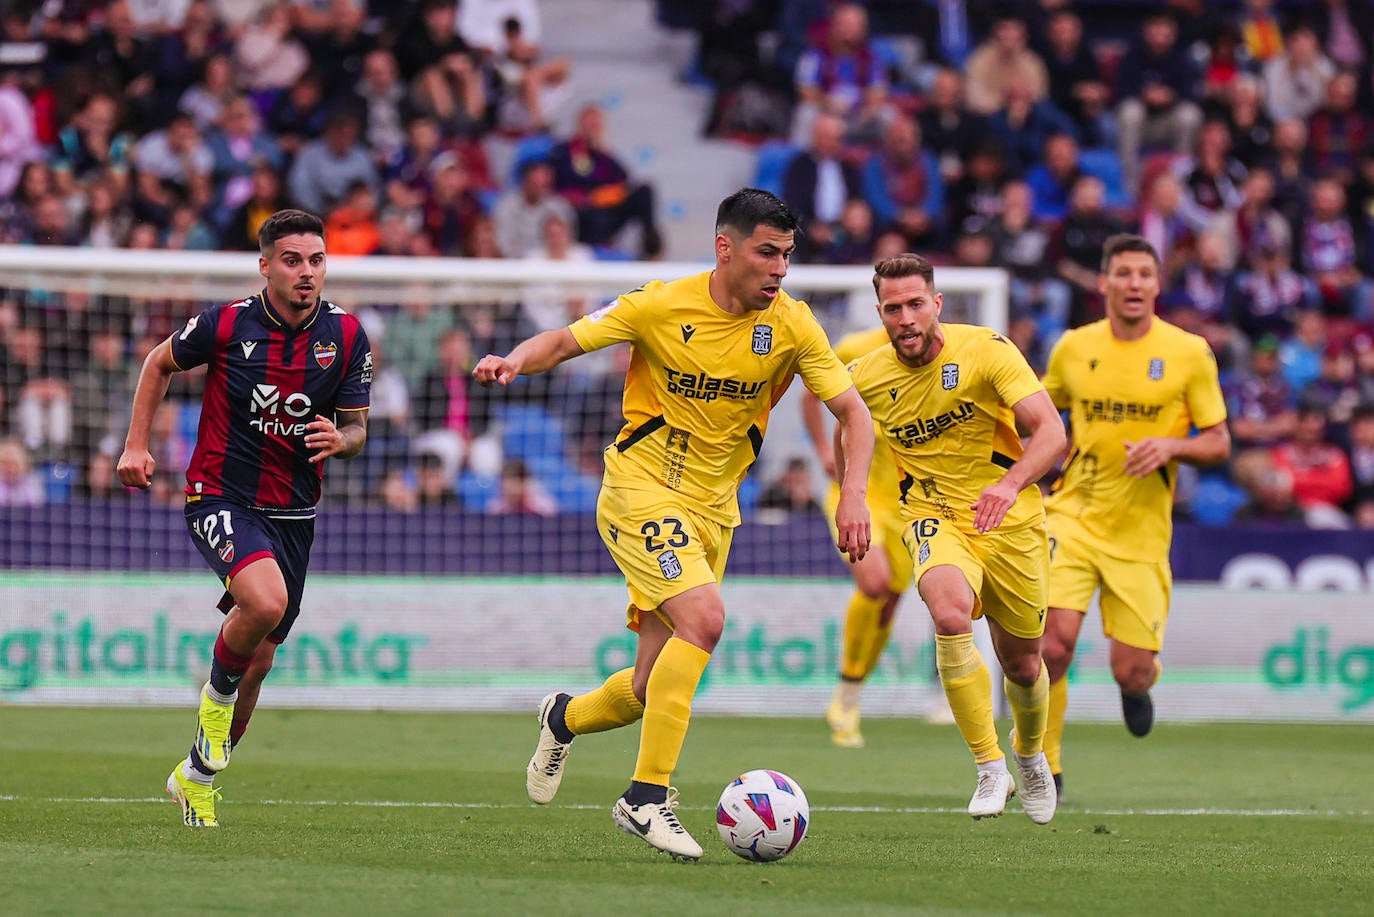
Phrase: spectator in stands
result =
(300, 115)
(19, 143)
(1328, 253)
(1336, 390)
(1052, 176)
(406, 171)
(1361, 451)
(1162, 223)
(1024, 125)
(793, 492)
(1021, 245)
(265, 198)
(238, 145)
(520, 493)
(1157, 85)
(521, 213)
(352, 226)
(382, 96)
(1359, 204)
(1202, 281)
(977, 194)
(851, 242)
(1075, 80)
(1222, 66)
(1266, 294)
(99, 392)
(531, 85)
(1260, 31)
(1288, 163)
(206, 98)
(1295, 81)
(94, 140)
(752, 90)
(819, 181)
(1252, 130)
(1301, 352)
(1211, 178)
(1260, 402)
(187, 231)
(457, 92)
(338, 43)
(1269, 490)
(1345, 31)
(903, 185)
(950, 130)
(106, 220)
(20, 484)
(842, 76)
(170, 163)
(1255, 221)
(447, 398)
(1320, 471)
(1077, 246)
(325, 168)
(127, 61)
(434, 483)
(38, 398)
(1338, 133)
(49, 223)
(270, 60)
(606, 198)
(451, 208)
(1002, 62)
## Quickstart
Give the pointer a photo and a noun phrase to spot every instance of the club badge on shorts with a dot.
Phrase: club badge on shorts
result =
(670, 565)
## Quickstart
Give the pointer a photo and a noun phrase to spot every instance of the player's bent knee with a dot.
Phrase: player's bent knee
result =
(1135, 679)
(1023, 670)
(1058, 655)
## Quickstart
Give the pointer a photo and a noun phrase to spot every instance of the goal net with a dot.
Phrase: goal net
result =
(456, 562)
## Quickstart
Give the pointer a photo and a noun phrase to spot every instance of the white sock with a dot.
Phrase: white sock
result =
(225, 699)
(195, 776)
(994, 766)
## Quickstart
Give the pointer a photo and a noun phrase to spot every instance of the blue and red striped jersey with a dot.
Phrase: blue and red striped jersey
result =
(265, 382)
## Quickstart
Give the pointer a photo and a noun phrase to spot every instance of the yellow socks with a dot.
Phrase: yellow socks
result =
(968, 685)
(668, 708)
(1054, 730)
(860, 632)
(609, 706)
(1029, 710)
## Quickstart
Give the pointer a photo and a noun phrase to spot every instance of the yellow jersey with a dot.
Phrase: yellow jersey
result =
(950, 423)
(1117, 392)
(882, 474)
(701, 384)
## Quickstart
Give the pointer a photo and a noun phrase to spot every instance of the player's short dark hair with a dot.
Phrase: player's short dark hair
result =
(1126, 242)
(285, 223)
(906, 264)
(748, 207)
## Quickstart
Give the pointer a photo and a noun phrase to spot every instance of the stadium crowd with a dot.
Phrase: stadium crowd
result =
(1234, 136)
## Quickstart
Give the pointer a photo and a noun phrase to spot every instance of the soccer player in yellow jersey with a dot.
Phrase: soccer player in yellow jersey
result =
(1134, 386)
(948, 399)
(884, 573)
(711, 354)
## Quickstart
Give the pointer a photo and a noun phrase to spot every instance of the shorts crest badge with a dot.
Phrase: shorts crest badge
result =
(670, 565)
(226, 552)
(325, 354)
(923, 553)
(763, 339)
(949, 376)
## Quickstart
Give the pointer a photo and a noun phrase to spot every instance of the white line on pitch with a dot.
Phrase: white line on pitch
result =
(877, 810)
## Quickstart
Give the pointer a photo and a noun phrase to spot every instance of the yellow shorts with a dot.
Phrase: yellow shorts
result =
(661, 545)
(1135, 594)
(887, 527)
(1007, 570)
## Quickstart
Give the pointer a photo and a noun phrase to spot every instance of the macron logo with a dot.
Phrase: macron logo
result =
(687, 332)
(248, 348)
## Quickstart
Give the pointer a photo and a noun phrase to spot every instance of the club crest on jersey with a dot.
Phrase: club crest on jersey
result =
(763, 339)
(949, 376)
(226, 552)
(325, 354)
(1156, 369)
(669, 564)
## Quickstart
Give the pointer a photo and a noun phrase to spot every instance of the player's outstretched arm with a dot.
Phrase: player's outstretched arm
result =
(1037, 414)
(1211, 446)
(539, 354)
(343, 438)
(136, 464)
(853, 455)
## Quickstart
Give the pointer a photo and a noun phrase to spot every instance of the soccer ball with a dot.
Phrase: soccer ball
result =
(762, 815)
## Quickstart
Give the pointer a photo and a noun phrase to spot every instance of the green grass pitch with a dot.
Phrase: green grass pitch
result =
(372, 813)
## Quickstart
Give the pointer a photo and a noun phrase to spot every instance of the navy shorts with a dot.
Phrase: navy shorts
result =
(231, 536)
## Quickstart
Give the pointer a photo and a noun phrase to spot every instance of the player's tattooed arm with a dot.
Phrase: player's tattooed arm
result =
(342, 440)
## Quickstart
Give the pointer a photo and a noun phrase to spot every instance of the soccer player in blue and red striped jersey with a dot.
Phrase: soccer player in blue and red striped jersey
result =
(288, 383)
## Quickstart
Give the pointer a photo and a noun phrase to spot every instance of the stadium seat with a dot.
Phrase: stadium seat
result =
(477, 491)
(575, 493)
(1216, 501)
(530, 149)
(531, 433)
(771, 164)
(58, 478)
(1103, 163)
